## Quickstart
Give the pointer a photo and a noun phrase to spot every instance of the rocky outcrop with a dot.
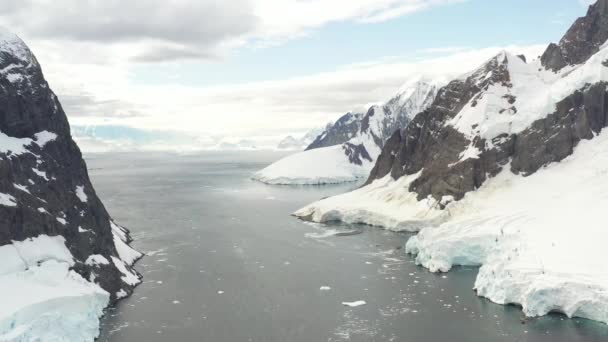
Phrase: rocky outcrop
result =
(503, 114)
(340, 132)
(583, 39)
(581, 115)
(44, 185)
(431, 144)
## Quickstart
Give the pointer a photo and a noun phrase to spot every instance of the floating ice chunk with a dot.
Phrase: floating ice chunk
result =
(354, 304)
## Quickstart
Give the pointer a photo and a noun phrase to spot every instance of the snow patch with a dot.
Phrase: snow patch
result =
(125, 252)
(7, 200)
(21, 188)
(82, 196)
(40, 174)
(128, 277)
(96, 260)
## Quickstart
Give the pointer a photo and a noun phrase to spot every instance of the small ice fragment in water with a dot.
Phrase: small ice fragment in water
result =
(354, 304)
(325, 288)
(369, 263)
(176, 302)
(220, 292)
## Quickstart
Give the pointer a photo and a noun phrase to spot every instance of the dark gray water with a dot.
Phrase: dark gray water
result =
(227, 263)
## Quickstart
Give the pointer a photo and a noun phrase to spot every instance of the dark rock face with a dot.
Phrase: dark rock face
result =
(384, 163)
(356, 153)
(48, 182)
(340, 132)
(429, 145)
(581, 115)
(582, 40)
(432, 147)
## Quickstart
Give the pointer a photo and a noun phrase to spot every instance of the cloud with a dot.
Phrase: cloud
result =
(167, 30)
(259, 111)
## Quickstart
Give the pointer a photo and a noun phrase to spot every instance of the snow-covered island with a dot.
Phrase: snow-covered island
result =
(63, 259)
(506, 170)
(346, 151)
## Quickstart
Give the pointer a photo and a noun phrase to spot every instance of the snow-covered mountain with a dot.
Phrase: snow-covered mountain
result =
(63, 258)
(506, 170)
(344, 129)
(299, 143)
(353, 159)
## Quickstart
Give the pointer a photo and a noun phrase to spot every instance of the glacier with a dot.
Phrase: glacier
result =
(42, 298)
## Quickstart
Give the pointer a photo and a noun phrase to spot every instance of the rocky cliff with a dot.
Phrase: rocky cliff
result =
(44, 184)
(506, 114)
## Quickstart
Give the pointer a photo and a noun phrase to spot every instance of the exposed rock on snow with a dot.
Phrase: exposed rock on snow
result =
(478, 174)
(71, 288)
(353, 159)
(582, 40)
(344, 129)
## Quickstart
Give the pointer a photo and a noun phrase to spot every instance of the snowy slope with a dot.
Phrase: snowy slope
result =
(328, 165)
(354, 159)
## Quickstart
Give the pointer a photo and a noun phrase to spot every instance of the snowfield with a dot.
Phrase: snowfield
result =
(540, 240)
(328, 165)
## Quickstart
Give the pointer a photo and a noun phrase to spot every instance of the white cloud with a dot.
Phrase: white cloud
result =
(87, 49)
(257, 111)
(161, 30)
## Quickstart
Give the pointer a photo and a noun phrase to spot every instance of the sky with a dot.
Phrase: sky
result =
(200, 74)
